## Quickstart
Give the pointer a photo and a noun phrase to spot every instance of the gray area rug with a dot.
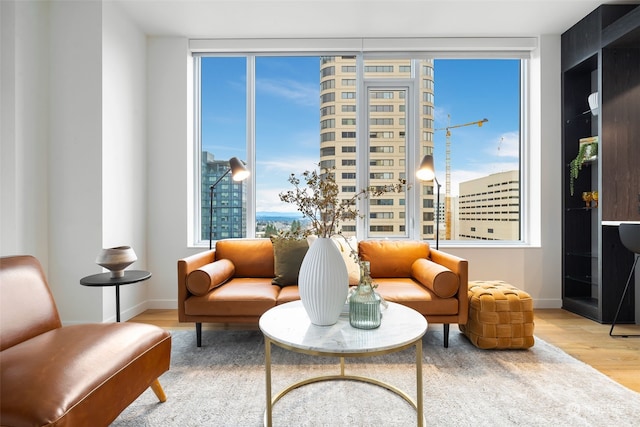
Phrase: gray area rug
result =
(223, 384)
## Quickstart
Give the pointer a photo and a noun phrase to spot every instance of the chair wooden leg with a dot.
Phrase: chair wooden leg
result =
(157, 389)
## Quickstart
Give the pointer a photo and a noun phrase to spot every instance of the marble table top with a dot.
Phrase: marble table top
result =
(288, 324)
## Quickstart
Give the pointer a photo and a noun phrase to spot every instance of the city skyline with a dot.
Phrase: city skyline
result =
(287, 119)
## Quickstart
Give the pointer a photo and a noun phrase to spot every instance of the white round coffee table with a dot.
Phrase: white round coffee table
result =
(289, 327)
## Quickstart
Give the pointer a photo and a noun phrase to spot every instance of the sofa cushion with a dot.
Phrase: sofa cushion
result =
(412, 294)
(391, 258)
(442, 281)
(251, 257)
(348, 247)
(287, 258)
(240, 297)
(207, 277)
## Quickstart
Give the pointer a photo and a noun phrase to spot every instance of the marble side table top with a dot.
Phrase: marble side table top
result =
(289, 325)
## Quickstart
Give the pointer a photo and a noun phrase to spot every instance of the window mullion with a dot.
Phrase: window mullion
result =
(251, 145)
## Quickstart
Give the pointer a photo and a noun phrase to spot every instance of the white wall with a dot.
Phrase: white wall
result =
(24, 127)
(169, 162)
(74, 146)
(124, 152)
(75, 156)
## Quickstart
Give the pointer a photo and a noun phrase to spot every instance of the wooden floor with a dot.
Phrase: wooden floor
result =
(586, 340)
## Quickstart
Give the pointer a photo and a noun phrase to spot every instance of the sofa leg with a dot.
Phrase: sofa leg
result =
(446, 335)
(199, 334)
(157, 389)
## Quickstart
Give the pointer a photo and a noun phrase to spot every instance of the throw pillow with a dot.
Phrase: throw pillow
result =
(210, 276)
(287, 258)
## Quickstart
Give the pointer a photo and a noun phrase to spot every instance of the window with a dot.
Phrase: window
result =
(381, 215)
(381, 175)
(327, 136)
(328, 71)
(381, 148)
(329, 123)
(328, 97)
(382, 135)
(381, 108)
(325, 111)
(381, 162)
(383, 95)
(301, 117)
(327, 151)
(378, 69)
(328, 84)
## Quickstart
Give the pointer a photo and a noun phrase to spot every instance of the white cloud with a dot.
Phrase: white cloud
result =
(274, 179)
(299, 93)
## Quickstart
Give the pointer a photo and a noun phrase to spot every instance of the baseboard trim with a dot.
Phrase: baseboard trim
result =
(542, 303)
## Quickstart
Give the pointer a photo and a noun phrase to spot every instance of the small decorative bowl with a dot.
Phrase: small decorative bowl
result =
(116, 259)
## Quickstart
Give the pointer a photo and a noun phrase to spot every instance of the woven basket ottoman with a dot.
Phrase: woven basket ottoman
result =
(500, 316)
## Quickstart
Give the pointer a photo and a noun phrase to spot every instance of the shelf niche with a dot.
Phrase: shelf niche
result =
(601, 53)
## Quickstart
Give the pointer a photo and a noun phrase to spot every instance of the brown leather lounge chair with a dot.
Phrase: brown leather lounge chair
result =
(77, 375)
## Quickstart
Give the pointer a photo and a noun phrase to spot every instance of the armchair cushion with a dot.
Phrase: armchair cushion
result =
(287, 259)
(442, 281)
(210, 276)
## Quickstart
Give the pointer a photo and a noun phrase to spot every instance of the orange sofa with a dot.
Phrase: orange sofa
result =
(233, 282)
(78, 375)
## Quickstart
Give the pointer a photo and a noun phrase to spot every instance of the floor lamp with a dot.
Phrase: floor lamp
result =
(239, 172)
(427, 172)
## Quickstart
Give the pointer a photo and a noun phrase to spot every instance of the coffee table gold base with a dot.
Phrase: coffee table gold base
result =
(416, 404)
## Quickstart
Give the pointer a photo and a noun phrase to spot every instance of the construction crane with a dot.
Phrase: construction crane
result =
(447, 197)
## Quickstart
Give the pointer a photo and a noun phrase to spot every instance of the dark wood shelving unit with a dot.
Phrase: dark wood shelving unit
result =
(601, 53)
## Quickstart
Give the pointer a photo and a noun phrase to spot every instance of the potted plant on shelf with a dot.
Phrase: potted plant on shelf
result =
(587, 151)
(323, 280)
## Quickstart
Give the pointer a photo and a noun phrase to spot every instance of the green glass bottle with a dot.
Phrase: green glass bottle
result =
(364, 303)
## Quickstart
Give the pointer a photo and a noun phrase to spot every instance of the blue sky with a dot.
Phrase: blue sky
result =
(287, 118)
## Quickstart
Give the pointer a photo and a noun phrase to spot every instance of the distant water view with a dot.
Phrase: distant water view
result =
(279, 216)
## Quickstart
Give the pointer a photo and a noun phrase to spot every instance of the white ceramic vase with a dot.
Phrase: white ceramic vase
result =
(116, 259)
(323, 282)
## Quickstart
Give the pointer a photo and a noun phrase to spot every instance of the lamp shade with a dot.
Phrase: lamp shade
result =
(238, 169)
(426, 171)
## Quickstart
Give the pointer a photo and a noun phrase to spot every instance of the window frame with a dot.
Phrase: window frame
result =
(438, 48)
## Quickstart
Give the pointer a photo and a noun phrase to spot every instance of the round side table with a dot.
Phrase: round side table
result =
(105, 279)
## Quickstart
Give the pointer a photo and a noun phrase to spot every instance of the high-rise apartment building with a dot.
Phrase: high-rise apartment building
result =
(389, 112)
(229, 201)
(489, 207)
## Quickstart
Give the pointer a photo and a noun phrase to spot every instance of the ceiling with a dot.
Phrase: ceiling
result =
(353, 18)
